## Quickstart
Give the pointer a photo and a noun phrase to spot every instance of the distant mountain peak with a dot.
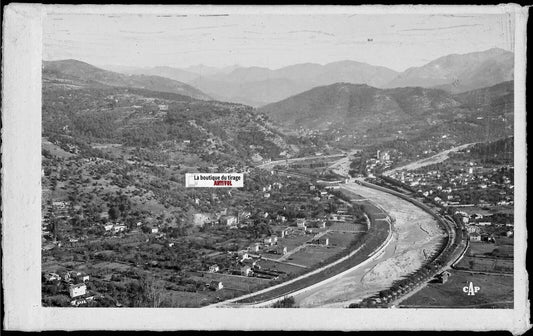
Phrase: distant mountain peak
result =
(460, 72)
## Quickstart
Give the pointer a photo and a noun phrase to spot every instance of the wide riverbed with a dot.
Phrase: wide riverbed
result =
(416, 235)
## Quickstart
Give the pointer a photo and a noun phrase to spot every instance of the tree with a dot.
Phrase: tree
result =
(114, 213)
(287, 302)
(153, 293)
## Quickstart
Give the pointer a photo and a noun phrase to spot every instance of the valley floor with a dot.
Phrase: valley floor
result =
(416, 235)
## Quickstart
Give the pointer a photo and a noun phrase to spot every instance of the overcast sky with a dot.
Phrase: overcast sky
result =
(273, 41)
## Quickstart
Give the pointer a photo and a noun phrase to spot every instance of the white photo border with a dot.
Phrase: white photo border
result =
(21, 198)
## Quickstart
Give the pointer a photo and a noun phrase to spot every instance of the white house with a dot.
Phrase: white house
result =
(214, 268)
(243, 254)
(79, 276)
(77, 290)
(246, 271)
(120, 228)
(475, 237)
(52, 277)
(216, 285)
(282, 250)
(270, 240)
(300, 222)
(255, 247)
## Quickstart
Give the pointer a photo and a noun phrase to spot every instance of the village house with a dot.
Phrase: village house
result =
(214, 268)
(108, 227)
(302, 227)
(77, 290)
(475, 237)
(49, 247)
(281, 250)
(50, 277)
(78, 302)
(244, 214)
(281, 219)
(228, 220)
(216, 285)
(246, 222)
(200, 219)
(60, 204)
(443, 277)
(247, 271)
(119, 228)
(270, 240)
(323, 241)
(282, 232)
(78, 277)
(243, 254)
(255, 247)
(334, 217)
(300, 222)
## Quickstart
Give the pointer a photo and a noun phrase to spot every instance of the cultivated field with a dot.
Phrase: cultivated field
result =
(311, 255)
(279, 266)
(488, 257)
(235, 282)
(349, 227)
(496, 291)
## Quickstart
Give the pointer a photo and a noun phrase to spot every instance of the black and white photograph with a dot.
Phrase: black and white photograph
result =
(240, 158)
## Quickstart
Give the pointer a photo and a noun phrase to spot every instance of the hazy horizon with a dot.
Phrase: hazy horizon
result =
(395, 41)
(237, 65)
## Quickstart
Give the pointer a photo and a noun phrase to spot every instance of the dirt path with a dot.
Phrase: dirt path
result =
(415, 231)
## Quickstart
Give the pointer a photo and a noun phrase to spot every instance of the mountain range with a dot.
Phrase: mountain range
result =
(258, 86)
(362, 110)
(84, 111)
(104, 104)
(460, 73)
(82, 72)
